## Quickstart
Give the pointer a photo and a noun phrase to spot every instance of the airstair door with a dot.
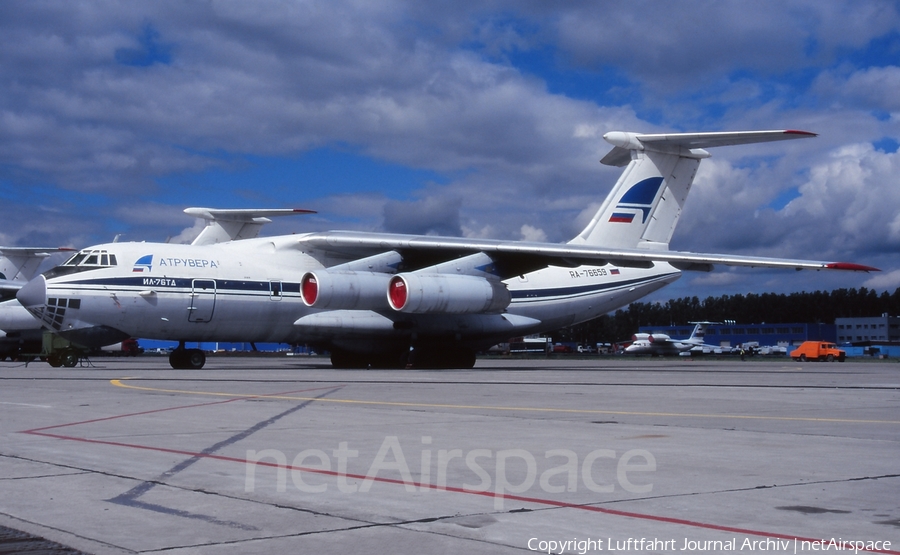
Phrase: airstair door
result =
(203, 300)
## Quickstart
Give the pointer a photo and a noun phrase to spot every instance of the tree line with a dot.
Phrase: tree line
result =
(769, 308)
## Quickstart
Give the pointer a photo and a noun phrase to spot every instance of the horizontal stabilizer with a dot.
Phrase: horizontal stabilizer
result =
(670, 142)
(244, 214)
(233, 224)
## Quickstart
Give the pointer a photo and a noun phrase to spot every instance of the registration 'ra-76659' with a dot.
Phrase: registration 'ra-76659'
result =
(591, 272)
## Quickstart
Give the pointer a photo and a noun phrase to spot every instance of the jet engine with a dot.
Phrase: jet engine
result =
(650, 337)
(446, 294)
(344, 290)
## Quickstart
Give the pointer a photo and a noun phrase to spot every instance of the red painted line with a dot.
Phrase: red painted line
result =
(488, 494)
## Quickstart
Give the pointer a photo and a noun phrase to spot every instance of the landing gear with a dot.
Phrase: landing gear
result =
(187, 359)
(346, 359)
(432, 356)
(441, 357)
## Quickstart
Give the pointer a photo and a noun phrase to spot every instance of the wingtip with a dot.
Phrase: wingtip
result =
(802, 133)
(851, 266)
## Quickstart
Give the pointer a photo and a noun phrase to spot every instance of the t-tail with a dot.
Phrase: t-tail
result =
(699, 332)
(643, 207)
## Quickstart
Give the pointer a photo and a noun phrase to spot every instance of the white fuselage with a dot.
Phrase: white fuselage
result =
(250, 291)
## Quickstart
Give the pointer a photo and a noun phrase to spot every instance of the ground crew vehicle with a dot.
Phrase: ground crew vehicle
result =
(818, 350)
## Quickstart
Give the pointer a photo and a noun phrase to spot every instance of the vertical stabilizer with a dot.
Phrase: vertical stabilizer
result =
(22, 263)
(699, 332)
(643, 207)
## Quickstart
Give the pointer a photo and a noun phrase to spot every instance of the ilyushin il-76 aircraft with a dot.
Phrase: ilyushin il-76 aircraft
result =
(660, 344)
(388, 300)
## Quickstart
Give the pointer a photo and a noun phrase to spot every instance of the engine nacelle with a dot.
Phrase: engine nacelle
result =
(650, 337)
(446, 294)
(344, 290)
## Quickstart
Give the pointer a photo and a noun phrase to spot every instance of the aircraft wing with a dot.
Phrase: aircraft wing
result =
(517, 257)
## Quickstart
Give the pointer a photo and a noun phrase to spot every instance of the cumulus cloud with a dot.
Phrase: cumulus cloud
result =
(856, 189)
(430, 216)
(105, 102)
(531, 233)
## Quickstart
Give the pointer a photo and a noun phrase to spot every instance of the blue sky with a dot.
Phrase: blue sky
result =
(481, 119)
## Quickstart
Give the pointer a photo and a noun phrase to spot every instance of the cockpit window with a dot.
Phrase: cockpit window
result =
(88, 259)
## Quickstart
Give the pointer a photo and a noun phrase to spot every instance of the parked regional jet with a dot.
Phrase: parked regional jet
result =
(387, 300)
(660, 344)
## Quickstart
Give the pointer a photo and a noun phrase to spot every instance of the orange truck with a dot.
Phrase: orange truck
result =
(818, 350)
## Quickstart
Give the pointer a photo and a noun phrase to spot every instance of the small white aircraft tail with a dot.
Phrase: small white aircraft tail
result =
(699, 332)
(19, 264)
(643, 207)
(22, 263)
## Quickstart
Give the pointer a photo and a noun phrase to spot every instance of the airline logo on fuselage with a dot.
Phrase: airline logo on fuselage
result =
(145, 263)
(188, 263)
(637, 200)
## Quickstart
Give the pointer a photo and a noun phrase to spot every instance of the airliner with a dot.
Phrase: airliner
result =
(390, 300)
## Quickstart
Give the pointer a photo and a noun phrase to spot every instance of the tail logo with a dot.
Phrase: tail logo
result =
(637, 200)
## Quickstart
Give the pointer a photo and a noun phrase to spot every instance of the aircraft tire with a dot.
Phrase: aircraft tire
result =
(442, 358)
(344, 359)
(175, 359)
(195, 359)
(187, 359)
(69, 359)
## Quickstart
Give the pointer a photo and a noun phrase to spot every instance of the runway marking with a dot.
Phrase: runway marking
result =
(26, 405)
(119, 383)
(461, 490)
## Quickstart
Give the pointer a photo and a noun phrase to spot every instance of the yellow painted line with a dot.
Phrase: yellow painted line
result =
(118, 383)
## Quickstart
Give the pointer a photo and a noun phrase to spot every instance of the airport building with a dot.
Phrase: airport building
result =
(878, 329)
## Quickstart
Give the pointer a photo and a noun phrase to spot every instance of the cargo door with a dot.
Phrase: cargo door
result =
(203, 300)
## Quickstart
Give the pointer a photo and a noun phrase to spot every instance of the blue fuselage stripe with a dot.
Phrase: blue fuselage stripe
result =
(533, 295)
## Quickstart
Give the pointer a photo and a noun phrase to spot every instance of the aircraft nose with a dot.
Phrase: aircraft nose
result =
(34, 293)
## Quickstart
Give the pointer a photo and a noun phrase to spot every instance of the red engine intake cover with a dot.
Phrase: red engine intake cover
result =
(309, 289)
(397, 293)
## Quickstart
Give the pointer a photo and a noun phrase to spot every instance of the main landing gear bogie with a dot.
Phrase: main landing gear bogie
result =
(422, 357)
